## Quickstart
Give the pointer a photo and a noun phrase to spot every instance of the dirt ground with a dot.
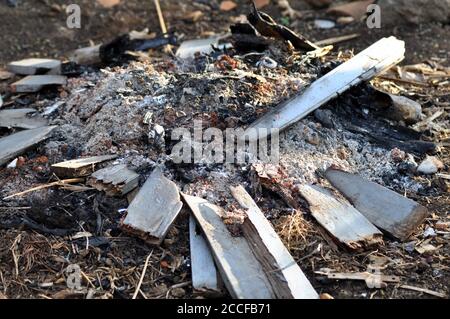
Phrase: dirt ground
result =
(32, 264)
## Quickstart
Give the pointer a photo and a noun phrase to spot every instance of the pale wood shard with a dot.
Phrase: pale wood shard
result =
(114, 180)
(189, 48)
(16, 144)
(88, 55)
(241, 272)
(35, 66)
(284, 274)
(81, 166)
(340, 219)
(205, 278)
(385, 208)
(373, 280)
(21, 118)
(154, 209)
(372, 61)
(34, 83)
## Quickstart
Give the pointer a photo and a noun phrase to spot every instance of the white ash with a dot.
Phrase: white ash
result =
(301, 159)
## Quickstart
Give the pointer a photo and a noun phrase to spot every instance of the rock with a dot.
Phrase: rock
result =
(178, 292)
(429, 232)
(324, 117)
(408, 165)
(324, 24)
(398, 155)
(431, 165)
(395, 12)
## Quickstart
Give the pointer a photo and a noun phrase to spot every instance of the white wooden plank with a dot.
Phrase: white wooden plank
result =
(385, 208)
(372, 61)
(34, 66)
(16, 144)
(154, 208)
(114, 180)
(241, 272)
(21, 118)
(34, 83)
(340, 219)
(80, 166)
(204, 272)
(287, 278)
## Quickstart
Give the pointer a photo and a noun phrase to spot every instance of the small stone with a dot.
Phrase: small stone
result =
(324, 24)
(431, 165)
(312, 138)
(324, 117)
(178, 292)
(13, 164)
(398, 155)
(326, 296)
(429, 232)
(342, 153)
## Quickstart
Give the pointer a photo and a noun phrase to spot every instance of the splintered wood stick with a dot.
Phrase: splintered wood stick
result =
(63, 182)
(162, 23)
(138, 287)
(339, 39)
(425, 291)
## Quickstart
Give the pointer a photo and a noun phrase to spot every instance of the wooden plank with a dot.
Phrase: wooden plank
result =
(80, 167)
(154, 209)
(386, 209)
(241, 272)
(374, 60)
(16, 144)
(205, 278)
(114, 180)
(284, 274)
(340, 219)
(21, 118)
(35, 66)
(34, 83)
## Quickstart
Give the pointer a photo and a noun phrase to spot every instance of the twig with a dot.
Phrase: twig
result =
(335, 40)
(138, 288)
(58, 183)
(426, 291)
(162, 23)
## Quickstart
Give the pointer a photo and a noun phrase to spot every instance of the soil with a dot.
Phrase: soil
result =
(33, 262)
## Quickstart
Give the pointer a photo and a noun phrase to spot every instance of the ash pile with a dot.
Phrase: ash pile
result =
(117, 166)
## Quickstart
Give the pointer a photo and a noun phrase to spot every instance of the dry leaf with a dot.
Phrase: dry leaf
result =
(227, 5)
(108, 3)
(261, 3)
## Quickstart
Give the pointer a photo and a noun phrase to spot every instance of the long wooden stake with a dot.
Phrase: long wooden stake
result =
(58, 183)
